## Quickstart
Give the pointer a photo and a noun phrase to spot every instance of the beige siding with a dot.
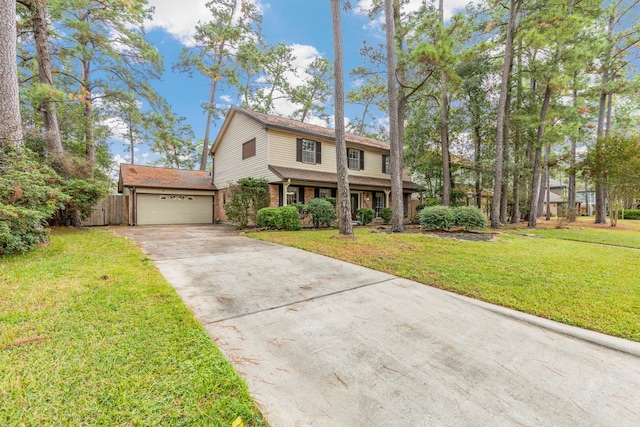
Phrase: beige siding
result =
(282, 152)
(228, 163)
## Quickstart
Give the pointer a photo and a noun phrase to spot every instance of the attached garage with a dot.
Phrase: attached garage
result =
(167, 196)
(174, 208)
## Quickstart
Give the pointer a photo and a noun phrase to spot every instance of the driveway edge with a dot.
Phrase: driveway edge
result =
(614, 343)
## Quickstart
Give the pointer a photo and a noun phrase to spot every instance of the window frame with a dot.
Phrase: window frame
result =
(249, 149)
(355, 159)
(306, 143)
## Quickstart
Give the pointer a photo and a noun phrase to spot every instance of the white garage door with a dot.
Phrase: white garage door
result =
(174, 209)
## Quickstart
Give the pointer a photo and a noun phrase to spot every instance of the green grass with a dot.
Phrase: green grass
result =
(591, 286)
(626, 234)
(92, 334)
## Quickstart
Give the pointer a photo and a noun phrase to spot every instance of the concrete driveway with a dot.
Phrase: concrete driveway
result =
(326, 343)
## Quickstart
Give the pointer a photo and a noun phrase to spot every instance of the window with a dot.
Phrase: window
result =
(293, 195)
(355, 159)
(386, 163)
(249, 149)
(324, 192)
(308, 151)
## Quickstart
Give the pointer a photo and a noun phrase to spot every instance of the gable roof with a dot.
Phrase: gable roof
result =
(157, 177)
(303, 129)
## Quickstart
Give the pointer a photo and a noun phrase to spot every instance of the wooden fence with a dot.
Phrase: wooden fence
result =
(112, 210)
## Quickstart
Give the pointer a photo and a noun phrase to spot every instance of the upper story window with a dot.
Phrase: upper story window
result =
(355, 159)
(249, 149)
(386, 163)
(308, 151)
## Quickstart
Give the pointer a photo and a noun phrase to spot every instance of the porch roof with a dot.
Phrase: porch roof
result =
(315, 177)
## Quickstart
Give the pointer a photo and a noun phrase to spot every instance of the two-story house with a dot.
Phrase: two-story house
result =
(299, 162)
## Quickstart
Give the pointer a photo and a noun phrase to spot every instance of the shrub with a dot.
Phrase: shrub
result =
(436, 217)
(290, 218)
(385, 214)
(21, 229)
(365, 215)
(630, 214)
(245, 199)
(322, 212)
(332, 200)
(270, 218)
(469, 217)
(29, 195)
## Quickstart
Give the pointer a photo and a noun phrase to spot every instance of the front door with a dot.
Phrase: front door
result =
(355, 205)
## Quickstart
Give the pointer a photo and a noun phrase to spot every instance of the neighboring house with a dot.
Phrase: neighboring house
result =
(557, 194)
(167, 196)
(299, 162)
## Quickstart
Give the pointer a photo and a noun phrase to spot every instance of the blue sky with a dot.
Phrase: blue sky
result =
(304, 25)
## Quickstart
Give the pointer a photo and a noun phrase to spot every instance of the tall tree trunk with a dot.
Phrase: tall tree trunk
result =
(10, 119)
(476, 159)
(47, 106)
(535, 186)
(397, 202)
(344, 198)
(572, 161)
(90, 153)
(504, 199)
(207, 128)
(601, 206)
(515, 212)
(544, 180)
(444, 129)
(500, 122)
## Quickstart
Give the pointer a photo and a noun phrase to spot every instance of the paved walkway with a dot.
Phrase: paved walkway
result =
(326, 343)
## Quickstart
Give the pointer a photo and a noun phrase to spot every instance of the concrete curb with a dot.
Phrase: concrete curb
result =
(614, 343)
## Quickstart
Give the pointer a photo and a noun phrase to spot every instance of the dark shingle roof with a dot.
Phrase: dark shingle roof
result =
(307, 129)
(156, 177)
(304, 175)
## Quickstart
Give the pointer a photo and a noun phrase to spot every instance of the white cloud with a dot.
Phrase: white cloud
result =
(450, 6)
(227, 99)
(179, 18)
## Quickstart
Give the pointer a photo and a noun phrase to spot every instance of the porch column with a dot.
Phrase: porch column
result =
(285, 190)
(387, 192)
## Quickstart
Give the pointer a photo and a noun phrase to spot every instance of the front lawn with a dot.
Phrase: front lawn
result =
(591, 286)
(92, 334)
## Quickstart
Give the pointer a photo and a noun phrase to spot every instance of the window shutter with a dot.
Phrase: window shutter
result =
(333, 193)
(299, 150)
(317, 193)
(280, 194)
(301, 193)
(384, 163)
(361, 160)
(318, 152)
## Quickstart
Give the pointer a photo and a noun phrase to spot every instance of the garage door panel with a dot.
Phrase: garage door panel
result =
(174, 209)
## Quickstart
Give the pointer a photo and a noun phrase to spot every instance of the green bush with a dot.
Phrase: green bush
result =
(630, 214)
(245, 199)
(270, 218)
(469, 217)
(332, 200)
(29, 195)
(385, 214)
(21, 229)
(290, 218)
(322, 212)
(365, 215)
(436, 218)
